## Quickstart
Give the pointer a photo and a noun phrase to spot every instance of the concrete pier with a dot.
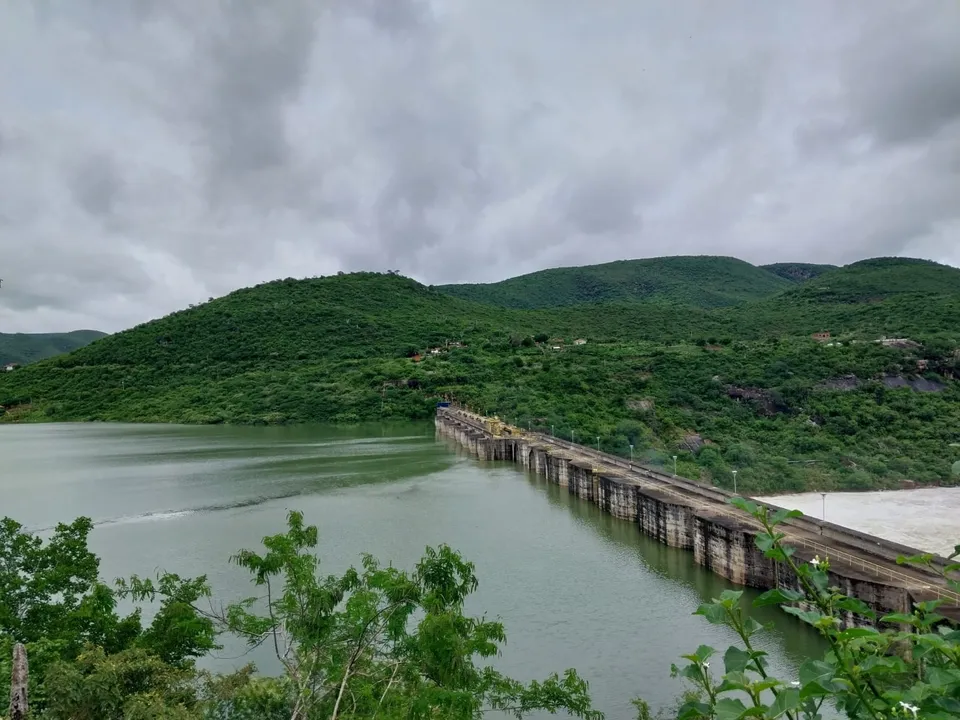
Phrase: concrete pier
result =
(686, 514)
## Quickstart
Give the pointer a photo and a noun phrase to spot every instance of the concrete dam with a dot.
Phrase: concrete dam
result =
(697, 517)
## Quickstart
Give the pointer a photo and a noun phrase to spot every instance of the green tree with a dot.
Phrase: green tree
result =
(53, 601)
(130, 685)
(901, 665)
(381, 642)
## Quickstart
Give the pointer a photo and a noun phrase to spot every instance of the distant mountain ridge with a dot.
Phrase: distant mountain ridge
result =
(23, 348)
(704, 281)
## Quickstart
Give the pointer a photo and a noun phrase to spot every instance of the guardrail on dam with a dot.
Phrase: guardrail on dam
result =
(697, 517)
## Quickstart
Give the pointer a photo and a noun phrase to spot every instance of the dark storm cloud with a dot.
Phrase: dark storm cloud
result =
(95, 184)
(155, 153)
(907, 88)
(601, 201)
(257, 59)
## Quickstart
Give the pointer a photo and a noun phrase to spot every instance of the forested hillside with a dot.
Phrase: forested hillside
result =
(703, 281)
(798, 272)
(23, 348)
(743, 387)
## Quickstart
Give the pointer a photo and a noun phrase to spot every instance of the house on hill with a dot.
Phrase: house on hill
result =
(580, 341)
(821, 336)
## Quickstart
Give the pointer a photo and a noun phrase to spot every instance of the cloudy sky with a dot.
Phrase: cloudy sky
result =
(154, 153)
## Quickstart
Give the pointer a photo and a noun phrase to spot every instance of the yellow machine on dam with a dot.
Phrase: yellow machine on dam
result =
(498, 428)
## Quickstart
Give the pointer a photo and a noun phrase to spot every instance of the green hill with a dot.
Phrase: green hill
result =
(873, 280)
(23, 348)
(703, 281)
(798, 272)
(742, 386)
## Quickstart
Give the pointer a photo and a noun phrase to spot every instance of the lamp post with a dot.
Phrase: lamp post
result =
(552, 433)
(631, 454)
(598, 443)
(823, 509)
(674, 465)
(734, 482)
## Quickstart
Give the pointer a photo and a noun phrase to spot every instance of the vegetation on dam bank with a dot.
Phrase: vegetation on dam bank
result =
(743, 387)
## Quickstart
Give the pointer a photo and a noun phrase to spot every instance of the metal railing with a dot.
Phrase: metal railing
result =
(868, 566)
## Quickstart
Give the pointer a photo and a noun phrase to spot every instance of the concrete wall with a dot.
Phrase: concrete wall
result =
(717, 540)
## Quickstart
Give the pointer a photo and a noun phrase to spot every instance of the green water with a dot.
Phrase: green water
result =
(574, 587)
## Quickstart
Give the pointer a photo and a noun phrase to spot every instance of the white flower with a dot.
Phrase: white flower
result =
(911, 708)
(795, 683)
(816, 561)
(706, 665)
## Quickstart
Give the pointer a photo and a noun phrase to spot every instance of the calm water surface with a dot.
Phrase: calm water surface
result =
(574, 587)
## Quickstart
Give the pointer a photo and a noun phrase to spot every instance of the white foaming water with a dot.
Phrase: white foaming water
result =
(927, 518)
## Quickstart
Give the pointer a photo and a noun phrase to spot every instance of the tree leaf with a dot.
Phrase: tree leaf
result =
(808, 616)
(787, 700)
(778, 596)
(782, 514)
(735, 659)
(713, 612)
(729, 709)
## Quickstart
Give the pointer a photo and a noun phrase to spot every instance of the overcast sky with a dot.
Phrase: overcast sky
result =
(157, 152)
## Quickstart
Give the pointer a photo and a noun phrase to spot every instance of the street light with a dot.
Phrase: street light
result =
(598, 443)
(674, 465)
(552, 433)
(823, 510)
(631, 454)
(734, 482)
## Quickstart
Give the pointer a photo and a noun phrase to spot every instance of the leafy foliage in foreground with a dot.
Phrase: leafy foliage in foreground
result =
(23, 348)
(53, 601)
(896, 666)
(741, 387)
(375, 642)
(702, 281)
(379, 642)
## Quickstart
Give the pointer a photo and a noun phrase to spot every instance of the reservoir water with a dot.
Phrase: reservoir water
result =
(574, 587)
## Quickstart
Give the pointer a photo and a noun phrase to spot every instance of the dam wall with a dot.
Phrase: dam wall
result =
(687, 515)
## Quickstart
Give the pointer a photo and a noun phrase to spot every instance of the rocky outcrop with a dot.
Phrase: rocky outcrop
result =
(844, 383)
(918, 384)
(764, 401)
